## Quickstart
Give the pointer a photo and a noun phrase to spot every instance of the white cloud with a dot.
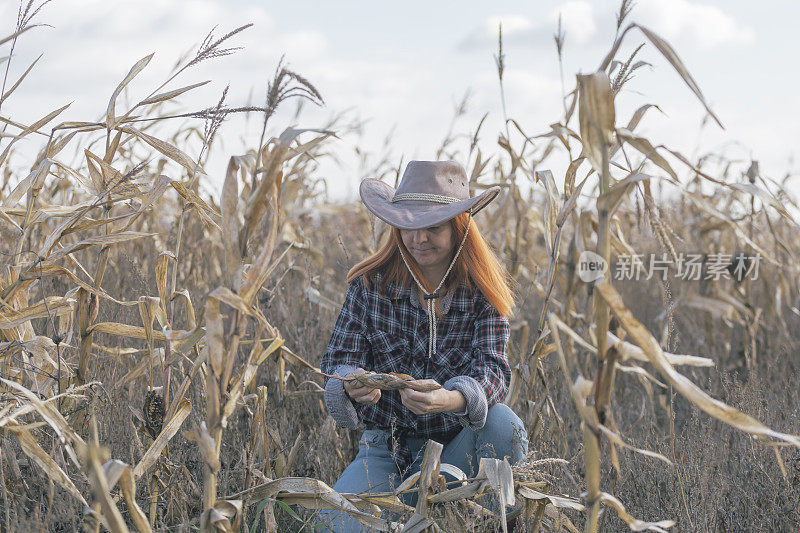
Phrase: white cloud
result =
(517, 29)
(304, 44)
(577, 19)
(697, 24)
(512, 24)
(532, 97)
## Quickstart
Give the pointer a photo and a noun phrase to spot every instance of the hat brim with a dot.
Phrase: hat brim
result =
(417, 214)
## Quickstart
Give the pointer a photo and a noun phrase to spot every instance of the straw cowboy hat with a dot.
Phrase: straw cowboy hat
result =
(430, 192)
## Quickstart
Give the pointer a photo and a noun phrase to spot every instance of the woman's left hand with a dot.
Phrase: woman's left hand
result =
(435, 401)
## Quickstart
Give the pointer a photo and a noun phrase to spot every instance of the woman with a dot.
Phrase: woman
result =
(433, 303)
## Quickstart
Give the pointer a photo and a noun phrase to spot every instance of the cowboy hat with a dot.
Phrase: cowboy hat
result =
(430, 192)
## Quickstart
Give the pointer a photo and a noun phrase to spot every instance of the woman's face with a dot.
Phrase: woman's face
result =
(432, 247)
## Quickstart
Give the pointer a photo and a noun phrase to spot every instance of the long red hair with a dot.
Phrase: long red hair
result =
(477, 265)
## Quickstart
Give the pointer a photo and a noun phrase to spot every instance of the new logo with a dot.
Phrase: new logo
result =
(591, 266)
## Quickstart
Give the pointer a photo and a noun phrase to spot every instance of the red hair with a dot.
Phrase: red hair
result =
(477, 265)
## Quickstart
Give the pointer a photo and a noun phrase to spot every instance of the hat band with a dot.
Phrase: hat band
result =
(438, 198)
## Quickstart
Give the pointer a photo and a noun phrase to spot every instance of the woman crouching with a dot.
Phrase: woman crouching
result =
(432, 303)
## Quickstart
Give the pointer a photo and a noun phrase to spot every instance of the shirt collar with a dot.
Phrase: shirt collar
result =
(457, 298)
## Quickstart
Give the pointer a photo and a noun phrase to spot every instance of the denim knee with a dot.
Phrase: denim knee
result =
(505, 431)
(371, 471)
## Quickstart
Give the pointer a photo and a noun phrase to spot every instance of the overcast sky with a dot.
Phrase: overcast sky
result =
(404, 65)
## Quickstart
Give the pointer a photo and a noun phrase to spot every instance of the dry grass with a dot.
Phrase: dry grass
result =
(159, 352)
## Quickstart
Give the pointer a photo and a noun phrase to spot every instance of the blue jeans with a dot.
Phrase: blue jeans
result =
(374, 468)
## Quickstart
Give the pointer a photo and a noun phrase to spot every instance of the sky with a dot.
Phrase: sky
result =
(401, 68)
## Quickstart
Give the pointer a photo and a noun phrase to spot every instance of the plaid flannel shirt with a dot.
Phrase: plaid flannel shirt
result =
(388, 332)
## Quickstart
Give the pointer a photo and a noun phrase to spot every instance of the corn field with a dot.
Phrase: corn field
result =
(159, 348)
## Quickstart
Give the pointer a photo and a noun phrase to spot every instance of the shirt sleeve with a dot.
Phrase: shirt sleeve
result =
(347, 350)
(490, 374)
(490, 366)
(474, 415)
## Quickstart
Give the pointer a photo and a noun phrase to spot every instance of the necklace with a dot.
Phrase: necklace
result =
(432, 296)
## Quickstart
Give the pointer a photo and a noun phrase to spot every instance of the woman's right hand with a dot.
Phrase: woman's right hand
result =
(359, 392)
